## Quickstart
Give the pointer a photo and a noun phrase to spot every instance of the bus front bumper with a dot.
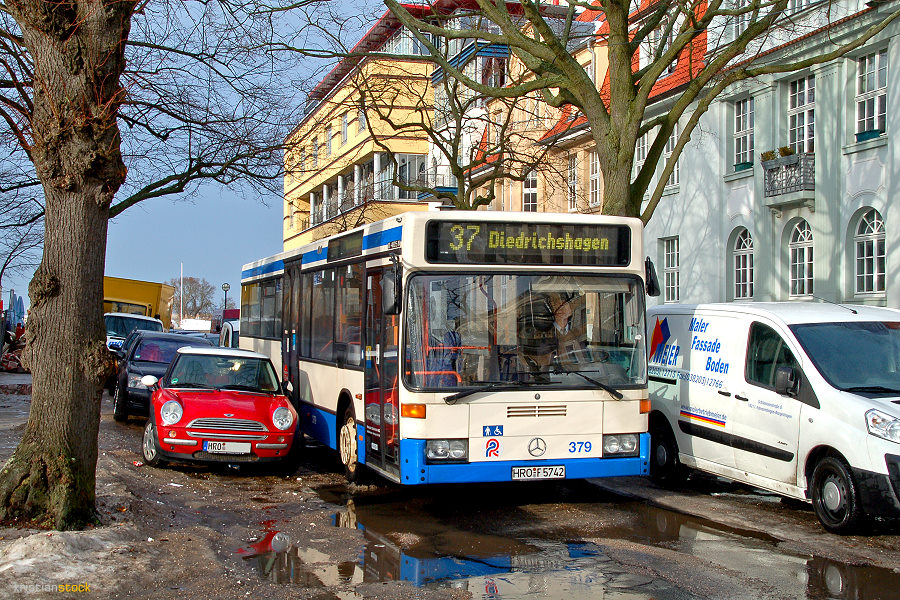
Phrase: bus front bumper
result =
(415, 471)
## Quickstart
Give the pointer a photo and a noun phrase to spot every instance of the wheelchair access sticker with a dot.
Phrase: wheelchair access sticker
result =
(493, 430)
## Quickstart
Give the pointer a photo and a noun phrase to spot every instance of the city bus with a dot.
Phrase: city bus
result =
(464, 346)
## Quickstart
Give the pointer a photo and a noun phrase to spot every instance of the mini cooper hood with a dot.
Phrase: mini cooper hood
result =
(216, 401)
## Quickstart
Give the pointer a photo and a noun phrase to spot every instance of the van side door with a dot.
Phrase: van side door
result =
(766, 425)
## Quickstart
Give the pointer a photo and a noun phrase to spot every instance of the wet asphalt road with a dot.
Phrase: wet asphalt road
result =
(311, 536)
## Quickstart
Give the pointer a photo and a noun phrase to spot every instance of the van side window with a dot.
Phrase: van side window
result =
(767, 351)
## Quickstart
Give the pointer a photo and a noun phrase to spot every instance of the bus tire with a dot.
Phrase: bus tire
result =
(835, 496)
(665, 468)
(347, 446)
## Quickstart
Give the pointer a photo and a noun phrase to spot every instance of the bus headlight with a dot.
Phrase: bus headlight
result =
(621, 444)
(171, 412)
(882, 425)
(282, 418)
(443, 450)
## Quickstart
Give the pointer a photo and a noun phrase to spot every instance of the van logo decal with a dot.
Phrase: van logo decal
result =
(707, 417)
(661, 352)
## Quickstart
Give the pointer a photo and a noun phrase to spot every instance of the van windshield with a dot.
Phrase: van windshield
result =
(854, 356)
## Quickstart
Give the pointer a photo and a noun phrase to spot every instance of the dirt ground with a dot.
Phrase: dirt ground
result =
(202, 532)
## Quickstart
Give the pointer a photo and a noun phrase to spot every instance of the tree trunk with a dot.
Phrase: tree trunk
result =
(78, 53)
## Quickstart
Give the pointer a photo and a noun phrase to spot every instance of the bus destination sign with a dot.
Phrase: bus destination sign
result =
(491, 242)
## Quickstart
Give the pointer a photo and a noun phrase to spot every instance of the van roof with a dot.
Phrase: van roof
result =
(789, 312)
(131, 316)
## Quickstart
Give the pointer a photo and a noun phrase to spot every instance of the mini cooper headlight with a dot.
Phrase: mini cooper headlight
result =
(171, 412)
(282, 418)
(882, 425)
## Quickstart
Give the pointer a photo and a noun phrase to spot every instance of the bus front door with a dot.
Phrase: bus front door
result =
(382, 407)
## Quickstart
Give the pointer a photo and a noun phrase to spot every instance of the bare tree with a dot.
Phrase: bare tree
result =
(698, 37)
(195, 295)
(202, 99)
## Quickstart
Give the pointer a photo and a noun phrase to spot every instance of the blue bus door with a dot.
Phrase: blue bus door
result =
(382, 408)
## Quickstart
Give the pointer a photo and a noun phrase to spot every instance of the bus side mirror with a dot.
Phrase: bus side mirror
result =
(652, 281)
(785, 381)
(390, 290)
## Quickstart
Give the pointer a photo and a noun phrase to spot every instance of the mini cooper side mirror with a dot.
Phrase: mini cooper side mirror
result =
(149, 380)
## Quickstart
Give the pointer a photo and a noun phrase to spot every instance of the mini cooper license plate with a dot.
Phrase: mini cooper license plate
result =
(226, 447)
(539, 472)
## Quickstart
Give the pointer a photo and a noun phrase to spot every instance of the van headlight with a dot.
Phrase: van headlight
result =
(282, 418)
(171, 412)
(620, 444)
(882, 425)
(447, 450)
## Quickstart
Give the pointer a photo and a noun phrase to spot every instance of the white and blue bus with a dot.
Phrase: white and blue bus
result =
(452, 346)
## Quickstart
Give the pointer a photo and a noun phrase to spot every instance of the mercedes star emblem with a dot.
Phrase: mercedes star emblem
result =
(537, 447)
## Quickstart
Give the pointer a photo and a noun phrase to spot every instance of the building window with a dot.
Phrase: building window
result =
(411, 171)
(798, 5)
(871, 92)
(493, 71)
(529, 192)
(595, 179)
(328, 136)
(870, 255)
(670, 270)
(743, 266)
(573, 182)
(344, 125)
(302, 159)
(670, 148)
(361, 120)
(801, 260)
(743, 133)
(801, 114)
(315, 154)
(742, 20)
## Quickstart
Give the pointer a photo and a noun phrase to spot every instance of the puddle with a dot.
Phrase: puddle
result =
(416, 538)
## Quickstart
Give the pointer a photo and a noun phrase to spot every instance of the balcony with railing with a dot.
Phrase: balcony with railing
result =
(790, 180)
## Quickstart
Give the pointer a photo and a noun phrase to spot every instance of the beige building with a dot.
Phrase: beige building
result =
(362, 129)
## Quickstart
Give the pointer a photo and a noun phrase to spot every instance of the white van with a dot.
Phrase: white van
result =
(802, 399)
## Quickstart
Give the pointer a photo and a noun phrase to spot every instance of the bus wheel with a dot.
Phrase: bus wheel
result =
(347, 446)
(665, 468)
(835, 497)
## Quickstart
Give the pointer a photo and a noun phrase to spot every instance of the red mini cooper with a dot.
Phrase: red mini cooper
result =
(219, 405)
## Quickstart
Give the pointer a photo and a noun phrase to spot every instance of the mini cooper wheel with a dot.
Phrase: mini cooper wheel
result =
(150, 446)
(665, 468)
(347, 446)
(120, 413)
(835, 496)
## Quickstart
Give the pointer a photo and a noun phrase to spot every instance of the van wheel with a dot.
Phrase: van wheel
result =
(835, 496)
(665, 468)
(119, 412)
(347, 446)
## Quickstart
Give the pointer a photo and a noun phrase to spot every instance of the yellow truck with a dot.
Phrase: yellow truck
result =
(137, 297)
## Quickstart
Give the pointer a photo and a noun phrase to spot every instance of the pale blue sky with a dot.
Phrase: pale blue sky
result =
(213, 236)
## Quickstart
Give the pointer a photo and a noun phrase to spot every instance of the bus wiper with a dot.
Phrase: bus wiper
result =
(612, 391)
(875, 389)
(492, 386)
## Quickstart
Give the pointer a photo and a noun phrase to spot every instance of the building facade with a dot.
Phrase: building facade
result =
(785, 190)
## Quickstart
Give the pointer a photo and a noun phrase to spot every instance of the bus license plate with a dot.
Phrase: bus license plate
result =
(541, 472)
(226, 447)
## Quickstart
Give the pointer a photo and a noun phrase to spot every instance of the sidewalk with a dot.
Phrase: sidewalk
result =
(15, 383)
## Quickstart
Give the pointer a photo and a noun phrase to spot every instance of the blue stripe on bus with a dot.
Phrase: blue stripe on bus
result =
(382, 238)
(315, 255)
(319, 424)
(414, 470)
(266, 269)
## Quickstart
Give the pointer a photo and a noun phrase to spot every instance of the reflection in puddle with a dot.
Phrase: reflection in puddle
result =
(404, 541)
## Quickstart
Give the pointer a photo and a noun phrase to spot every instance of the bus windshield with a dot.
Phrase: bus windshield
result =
(574, 331)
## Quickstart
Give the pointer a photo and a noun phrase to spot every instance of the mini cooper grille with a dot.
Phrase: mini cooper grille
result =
(227, 424)
(537, 410)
